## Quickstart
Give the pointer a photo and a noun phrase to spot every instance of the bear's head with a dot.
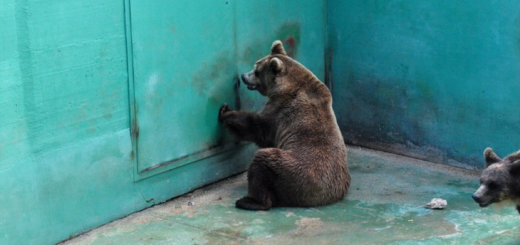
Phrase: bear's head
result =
(268, 74)
(499, 180)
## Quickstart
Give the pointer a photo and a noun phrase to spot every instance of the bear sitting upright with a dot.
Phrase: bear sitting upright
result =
(303, 160)
(500, 180)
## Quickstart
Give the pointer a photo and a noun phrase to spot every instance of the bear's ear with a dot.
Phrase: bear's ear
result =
(513, 157)
(514, 168)
(277, 48)
(277, 65)
(491, 157)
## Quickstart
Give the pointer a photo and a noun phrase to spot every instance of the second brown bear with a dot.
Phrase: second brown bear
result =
(303, 160)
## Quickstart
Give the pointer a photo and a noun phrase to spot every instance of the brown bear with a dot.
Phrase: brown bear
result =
(303, 159)
(500, 180)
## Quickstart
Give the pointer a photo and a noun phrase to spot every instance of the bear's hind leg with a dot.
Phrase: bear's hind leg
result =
(261, 178)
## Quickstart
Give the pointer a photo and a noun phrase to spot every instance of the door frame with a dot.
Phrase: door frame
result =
(134, 123)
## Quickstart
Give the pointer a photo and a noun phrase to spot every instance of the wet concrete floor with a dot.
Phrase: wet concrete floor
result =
(385, 205)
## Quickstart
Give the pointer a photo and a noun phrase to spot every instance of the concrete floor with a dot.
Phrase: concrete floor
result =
(385, 205)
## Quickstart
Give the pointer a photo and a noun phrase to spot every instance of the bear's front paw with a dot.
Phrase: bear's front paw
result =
(224, 109)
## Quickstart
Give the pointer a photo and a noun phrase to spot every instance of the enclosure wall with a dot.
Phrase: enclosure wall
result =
(435, 80)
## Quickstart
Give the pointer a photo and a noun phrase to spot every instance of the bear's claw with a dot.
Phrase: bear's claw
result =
(223, 109)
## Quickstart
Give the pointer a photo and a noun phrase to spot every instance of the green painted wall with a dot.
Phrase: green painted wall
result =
(436, 80)
(67, 151)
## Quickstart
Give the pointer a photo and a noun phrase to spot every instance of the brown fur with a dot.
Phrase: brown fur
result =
(500, 180)
(303, 160)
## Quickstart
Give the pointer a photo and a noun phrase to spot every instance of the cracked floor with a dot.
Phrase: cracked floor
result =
(385, 205)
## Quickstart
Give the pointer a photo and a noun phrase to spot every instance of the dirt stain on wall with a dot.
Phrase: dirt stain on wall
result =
(289, 33)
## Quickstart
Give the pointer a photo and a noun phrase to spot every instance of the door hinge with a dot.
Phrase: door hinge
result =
(135, 130)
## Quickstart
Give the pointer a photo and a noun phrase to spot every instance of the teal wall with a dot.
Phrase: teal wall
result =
(67, 151)
(436, 80)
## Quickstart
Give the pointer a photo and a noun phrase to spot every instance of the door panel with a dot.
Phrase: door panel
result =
(183, 59)
(184, 69)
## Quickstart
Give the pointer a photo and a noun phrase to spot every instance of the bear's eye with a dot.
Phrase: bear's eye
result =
(492, 185)
(256, 74)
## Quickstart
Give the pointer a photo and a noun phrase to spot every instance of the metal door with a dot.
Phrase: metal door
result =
(183, 63)
(183, 59)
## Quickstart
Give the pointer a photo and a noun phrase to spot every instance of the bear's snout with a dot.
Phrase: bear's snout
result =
(250, 85)
(483, 201)
(476, 198)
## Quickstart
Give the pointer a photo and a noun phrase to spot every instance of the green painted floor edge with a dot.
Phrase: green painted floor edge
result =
(384, 206)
